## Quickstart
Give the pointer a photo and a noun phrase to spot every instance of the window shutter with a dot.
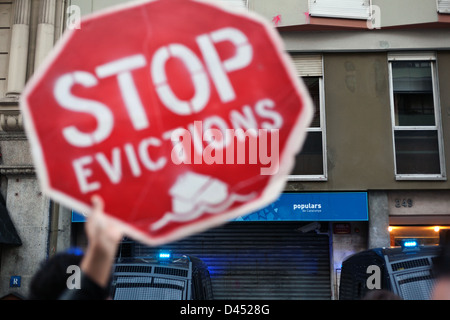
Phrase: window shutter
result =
(351, 9)
(444, 6)
(308, 65)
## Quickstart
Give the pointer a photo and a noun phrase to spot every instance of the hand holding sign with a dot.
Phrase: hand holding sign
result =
(178, 126)
(104, 236)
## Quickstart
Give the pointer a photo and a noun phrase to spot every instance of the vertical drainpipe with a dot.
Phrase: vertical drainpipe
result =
(20, 31)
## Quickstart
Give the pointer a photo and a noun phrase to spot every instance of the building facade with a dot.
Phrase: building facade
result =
(378, 76)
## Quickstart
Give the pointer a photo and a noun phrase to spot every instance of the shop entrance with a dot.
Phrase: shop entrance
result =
(425, 235)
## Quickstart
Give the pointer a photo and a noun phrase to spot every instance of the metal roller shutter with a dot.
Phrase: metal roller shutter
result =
(444, 6)
(350, 9)
(307, 65)
(260, 260)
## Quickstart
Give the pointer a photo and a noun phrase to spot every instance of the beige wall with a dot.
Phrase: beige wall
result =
(358, 124)
(291, 12)
(405, 12)
(392, 13)
(294, 12)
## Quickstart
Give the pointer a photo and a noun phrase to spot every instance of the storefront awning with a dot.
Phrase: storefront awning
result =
(8, 233)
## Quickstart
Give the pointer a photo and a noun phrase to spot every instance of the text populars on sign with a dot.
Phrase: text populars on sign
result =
(182, 116)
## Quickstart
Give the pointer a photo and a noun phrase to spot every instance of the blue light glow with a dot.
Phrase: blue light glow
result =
(410, 244)
(165, 256)
(75, 251)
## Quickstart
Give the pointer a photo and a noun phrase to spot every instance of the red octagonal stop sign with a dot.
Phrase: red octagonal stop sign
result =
(179, 113)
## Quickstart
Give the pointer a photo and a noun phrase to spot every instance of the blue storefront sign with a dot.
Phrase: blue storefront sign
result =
(320, 206)
(323, 206)
(78, 217)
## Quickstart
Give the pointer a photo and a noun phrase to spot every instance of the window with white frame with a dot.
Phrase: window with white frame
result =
(416, 120)
(311, 162)
(349, 9)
